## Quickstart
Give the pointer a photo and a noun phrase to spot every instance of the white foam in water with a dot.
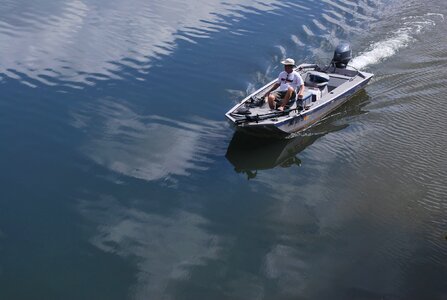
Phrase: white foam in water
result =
(401, 38)
(381, 50)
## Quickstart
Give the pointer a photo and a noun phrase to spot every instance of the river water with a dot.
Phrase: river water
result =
(121, 179)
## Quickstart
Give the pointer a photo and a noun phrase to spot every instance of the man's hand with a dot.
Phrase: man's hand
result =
(300, 96)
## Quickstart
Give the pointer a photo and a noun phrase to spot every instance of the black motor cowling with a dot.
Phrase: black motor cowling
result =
(342, 55)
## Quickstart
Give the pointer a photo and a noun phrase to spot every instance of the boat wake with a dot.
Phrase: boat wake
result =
(399, 39)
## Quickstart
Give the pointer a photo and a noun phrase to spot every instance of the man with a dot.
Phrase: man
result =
(286, 86)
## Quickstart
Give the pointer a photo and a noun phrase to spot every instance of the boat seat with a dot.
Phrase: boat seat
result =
(316, 79)
(307, 99)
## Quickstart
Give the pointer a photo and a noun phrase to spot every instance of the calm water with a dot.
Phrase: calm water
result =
(120, 178)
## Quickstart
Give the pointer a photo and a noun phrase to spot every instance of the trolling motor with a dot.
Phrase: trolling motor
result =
(342, 56)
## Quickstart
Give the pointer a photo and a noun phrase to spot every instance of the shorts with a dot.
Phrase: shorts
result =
(279, 97)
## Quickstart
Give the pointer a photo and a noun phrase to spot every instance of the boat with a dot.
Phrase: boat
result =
(325, 89)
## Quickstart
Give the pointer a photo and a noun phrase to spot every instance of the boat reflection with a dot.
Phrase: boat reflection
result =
(249, 154)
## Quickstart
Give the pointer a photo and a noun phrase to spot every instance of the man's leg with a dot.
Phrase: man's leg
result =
(271, 100)
(287, 97)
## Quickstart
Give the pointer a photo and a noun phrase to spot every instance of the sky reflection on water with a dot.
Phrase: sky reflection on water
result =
(146, 147)
(82, 41)
(163, 248)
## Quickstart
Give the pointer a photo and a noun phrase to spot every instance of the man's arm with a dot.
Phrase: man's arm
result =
(274, 87)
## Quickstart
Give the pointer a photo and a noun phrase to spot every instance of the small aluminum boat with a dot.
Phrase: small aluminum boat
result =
(326, 88)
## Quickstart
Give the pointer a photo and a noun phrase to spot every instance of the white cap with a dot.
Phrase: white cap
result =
(288, 62)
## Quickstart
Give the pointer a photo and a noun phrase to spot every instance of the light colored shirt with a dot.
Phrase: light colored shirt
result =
(285, 80)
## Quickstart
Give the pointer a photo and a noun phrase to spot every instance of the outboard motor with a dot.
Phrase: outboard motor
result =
(342, 55)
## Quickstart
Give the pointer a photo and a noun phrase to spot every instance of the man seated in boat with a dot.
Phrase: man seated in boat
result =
(285, 88)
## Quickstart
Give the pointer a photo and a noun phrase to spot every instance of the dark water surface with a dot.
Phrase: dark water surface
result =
(120, 178)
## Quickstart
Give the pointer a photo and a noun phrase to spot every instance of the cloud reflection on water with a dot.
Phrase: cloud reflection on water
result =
(164, 248)
(148, 148)
(81, 41)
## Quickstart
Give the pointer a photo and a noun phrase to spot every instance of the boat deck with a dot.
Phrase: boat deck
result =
(313, 96)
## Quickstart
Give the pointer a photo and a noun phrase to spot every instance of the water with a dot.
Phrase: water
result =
(122, 180)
